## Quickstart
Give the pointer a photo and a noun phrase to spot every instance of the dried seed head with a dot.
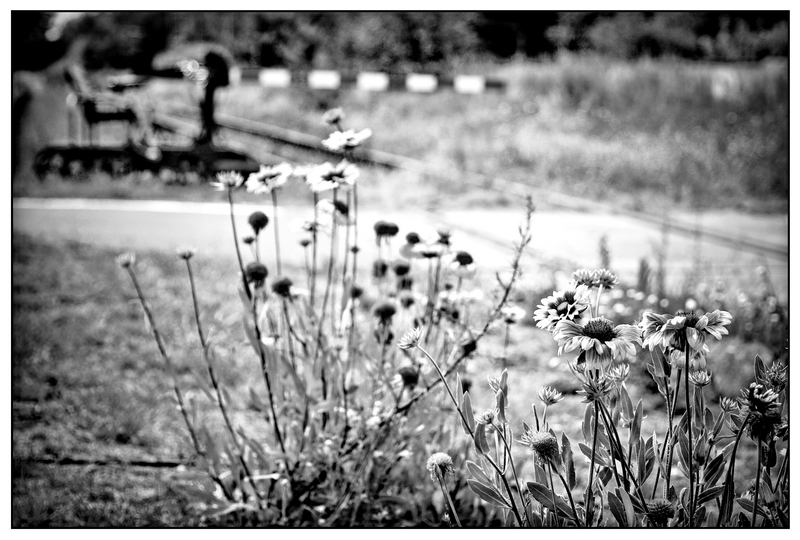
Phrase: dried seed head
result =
(463, 258)
(406, 299)
(356, 291)
(486, 417)
(126, 259)
(468, 346)
(333, 116)
(541, 442)
(256, 273)
(444, 237)
(379, 268)
(442, 462)
(412, 238)
(401, 267)
(258, 221)
(249, 239)
(384, 311)
(385, 229)
(305, 242)
(282, 286)
(410, 376)
(185, 253)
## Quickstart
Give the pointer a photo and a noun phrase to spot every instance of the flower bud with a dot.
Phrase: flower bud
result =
(258, 221)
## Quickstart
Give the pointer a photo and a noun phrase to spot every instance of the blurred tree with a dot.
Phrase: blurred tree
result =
(726, 36)
(32, 48)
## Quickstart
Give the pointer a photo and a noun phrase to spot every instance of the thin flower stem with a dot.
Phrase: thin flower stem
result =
(758, 485)
(178, 395)
(314, 249)
(308, 268)
(447, 498)
(525, 238)
(589, 497)
(671, 451)
(361, 467)
(275, 227)
(236, 244)
(724, 513)
(215, 384)
(690, 437)
(668, 437)
(163, 350)
(554, 514)
(569, 494)
(510, 457)
(597, 302)
(340, 310)
(267, 381)
(472, 434)
(505, 346)
(614, 438)
(288, 324)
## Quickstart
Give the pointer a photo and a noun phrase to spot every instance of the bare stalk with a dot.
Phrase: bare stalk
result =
(275, 227)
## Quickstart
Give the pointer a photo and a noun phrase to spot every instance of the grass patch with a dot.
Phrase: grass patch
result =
(87, 382)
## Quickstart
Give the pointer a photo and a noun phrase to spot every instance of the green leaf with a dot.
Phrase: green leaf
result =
(544, 496)
(586, 426)
(488, 493)
(601, 456)
(630, 514)
(501, 405)
(567, 458)
(625, 400)
(713, 471)
(683, 447)
(657, 452)
(759, 369)
(636, 424)
(747, 504)
(617, 509)
(466, 408)
(477, 472)
(709, 494)
(504, 382)
(481, 444)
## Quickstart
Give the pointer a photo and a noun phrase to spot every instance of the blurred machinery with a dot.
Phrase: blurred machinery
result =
(142, 151)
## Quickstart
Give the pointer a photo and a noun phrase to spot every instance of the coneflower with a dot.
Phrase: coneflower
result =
(542, 443)
(660, 511)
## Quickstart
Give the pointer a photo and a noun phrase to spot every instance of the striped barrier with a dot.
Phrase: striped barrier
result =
(370, 81)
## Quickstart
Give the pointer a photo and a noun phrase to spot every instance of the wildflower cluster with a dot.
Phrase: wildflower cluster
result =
(341, 400)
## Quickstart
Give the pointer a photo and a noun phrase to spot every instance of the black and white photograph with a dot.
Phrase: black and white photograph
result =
(399, 269)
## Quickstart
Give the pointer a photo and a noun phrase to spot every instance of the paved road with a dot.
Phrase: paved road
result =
(572, 237)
